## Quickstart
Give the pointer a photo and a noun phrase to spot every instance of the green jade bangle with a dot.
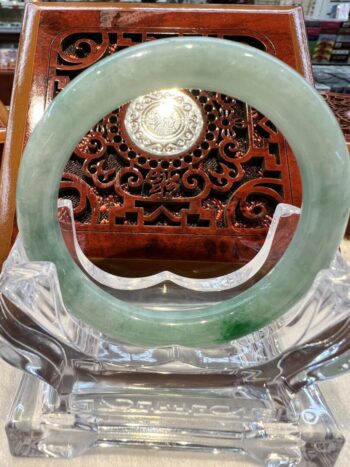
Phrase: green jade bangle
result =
(196, 63)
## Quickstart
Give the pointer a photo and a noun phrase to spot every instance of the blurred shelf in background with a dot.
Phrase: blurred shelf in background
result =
(11, 15)
(329, 40)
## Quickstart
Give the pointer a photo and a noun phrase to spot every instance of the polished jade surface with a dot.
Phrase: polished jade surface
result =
(214, 65)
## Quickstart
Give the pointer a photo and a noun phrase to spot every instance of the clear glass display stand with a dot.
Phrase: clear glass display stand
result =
(256, 396)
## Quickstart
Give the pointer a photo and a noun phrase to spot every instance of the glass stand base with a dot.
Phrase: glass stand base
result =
(253, 398)
(270, 425)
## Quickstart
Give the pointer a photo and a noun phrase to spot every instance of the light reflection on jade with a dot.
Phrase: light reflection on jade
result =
(195, 63)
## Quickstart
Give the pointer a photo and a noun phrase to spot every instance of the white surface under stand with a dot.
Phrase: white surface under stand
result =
(336, 393)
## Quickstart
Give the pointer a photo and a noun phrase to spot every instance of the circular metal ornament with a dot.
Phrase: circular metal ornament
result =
(164, 123)
(190, 63)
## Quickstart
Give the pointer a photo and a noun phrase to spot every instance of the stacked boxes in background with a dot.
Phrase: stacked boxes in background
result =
(8, 57)
(329, 41)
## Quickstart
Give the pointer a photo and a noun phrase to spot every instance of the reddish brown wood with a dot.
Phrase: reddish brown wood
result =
(4, 115)
(340, 104)
(243, 168)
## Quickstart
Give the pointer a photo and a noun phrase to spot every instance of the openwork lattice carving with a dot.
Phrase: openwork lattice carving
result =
(340, 104)
(227, 184)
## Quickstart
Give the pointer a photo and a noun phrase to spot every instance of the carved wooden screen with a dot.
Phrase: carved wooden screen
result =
(214, 201)
(340, 104)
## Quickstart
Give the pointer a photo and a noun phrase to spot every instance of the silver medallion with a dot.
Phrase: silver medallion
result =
(164, 123)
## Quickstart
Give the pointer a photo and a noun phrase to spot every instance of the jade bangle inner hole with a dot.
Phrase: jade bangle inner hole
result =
(167, 291)
(204, 130)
